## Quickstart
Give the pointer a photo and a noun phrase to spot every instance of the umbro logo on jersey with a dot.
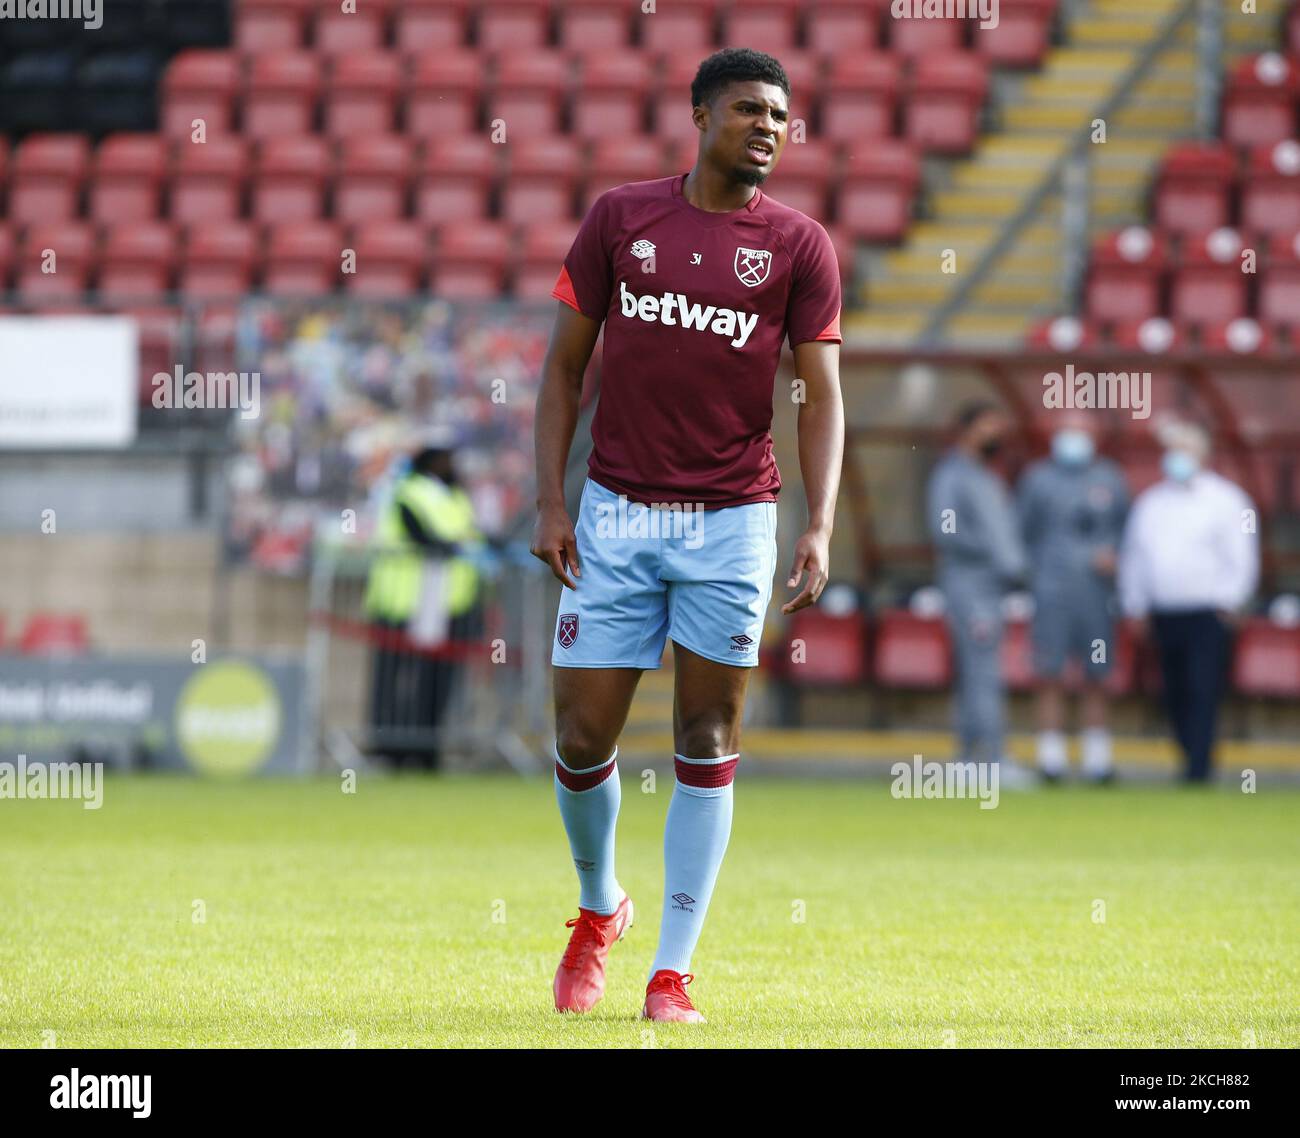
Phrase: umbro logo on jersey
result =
(684, 901)
(643, 249)
(673, 308)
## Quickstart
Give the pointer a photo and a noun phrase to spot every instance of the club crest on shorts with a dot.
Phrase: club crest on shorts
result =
(567, 632)
(753, 265)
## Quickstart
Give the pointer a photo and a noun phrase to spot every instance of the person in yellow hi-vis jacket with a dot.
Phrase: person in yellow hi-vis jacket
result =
(422, 595)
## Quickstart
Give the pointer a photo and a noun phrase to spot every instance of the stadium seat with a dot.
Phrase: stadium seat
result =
(281, 95)
(343, 33)
(159, 332)
(303, 259)
(544, 248)
(942, 111)
(208, 180)
(1062, 334)
(424, 25)
(6, 256)
(1125, 276)
(611, 99)
(923, 38)
(137, 261)
(199, 84)
(529, 93)
(845, 250)
(1266, 661)
(1279, 286)
(594, 25)
(861, 98)
(671, 99)
(391, 256)
(874, 199)
(824, 650)
(911, 652)
(615, 161)
(680, 29)
(443, 97)
(1155, 336)
(1270, 192)
(1241, 336)
(73, 245)
(117, 91)
(1259, 106)
(126, 184)
(541, 179)
(270, 25)
(766, 25)
(1208, 284)
(374, 179)
(289, 179)
(219, 260)
(1021, 36)
(514, 25)
(1193, 187)
(214, 337)
(46, 176)
(803, 177)
(362, 94)
(454, 179)
(54, 634)
(836, 27)
(469, 261)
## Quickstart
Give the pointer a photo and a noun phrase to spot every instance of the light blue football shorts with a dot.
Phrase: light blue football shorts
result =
(702, 577)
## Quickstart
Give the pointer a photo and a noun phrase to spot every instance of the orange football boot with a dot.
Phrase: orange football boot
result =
(580, 978)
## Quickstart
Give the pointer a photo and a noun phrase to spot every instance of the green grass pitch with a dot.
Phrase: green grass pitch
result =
(430, 912)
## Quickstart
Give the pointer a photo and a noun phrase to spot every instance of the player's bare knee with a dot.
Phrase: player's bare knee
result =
(582, 748)
(709, 735)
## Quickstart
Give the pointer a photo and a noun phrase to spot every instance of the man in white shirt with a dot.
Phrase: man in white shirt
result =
(1188, 565)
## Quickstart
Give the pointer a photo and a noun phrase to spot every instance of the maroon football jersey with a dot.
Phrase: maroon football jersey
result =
(696, 306)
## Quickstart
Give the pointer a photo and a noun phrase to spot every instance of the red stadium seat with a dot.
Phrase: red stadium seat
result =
(159, 333)
(289, 179)
(1062, 334)
(616, 161)
(219, 260)
(137, 261)
(208, 180)
(281, 96)
(911, 652)
(1270, 193)
(529, 94)
(913, 38)
(542, 175)
(611, 100)
(6, 255)
(424, 25)
(270, 25)
(73, 246)
(214, 338)
(845, 249)
(1155, 336)
(391, 256)
(544, 248)
(1259, 107)
(362, 94)
(1266, 661)
(803, 177)
(765, 25)
(340, 33)
(942, 110)
(1279, 287)
(1209, 285)
(823, 650)
(1125, 275)
(470, 260)
(46, 177)
(671, 98)
(1193, 187)
(304, 259)
(374, 179)
(835, 27)
(445, 91)
(594, 25)
(861, 98)
(454, 179)
(680, 29)
(1241, 336)
(874, 199)
(199, 84)
(1021, 36)
(514, 25)
(128, 175)
(54, 634)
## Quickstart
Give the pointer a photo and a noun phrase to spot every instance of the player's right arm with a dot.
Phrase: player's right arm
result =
(572, 341)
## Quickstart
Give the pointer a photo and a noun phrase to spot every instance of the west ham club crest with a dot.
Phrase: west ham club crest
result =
(567, 632)
(753, 265)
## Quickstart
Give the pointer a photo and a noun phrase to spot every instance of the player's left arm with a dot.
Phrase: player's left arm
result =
(821, 454)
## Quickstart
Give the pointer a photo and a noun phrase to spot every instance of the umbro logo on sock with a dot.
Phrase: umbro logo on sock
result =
(684, 901)
(584, 865)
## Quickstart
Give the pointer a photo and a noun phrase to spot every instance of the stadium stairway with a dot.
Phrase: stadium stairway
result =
(970, 201)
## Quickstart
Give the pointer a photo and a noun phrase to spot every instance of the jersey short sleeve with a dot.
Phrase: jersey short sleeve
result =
(586, 281)
(814, 308)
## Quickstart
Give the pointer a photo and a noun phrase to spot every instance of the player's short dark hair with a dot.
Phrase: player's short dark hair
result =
(735, 65)
(970, 413)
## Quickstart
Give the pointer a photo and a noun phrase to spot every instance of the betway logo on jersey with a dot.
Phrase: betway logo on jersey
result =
(674, 308)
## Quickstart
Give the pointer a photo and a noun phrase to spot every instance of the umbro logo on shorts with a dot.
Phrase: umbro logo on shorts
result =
(674, 308)
(741, 643)
(567, 631)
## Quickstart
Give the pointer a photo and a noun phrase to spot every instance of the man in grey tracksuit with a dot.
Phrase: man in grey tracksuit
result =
(980, 556)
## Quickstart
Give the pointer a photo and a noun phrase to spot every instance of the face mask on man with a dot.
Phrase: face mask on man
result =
(1072, 447)
(1179, 465)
